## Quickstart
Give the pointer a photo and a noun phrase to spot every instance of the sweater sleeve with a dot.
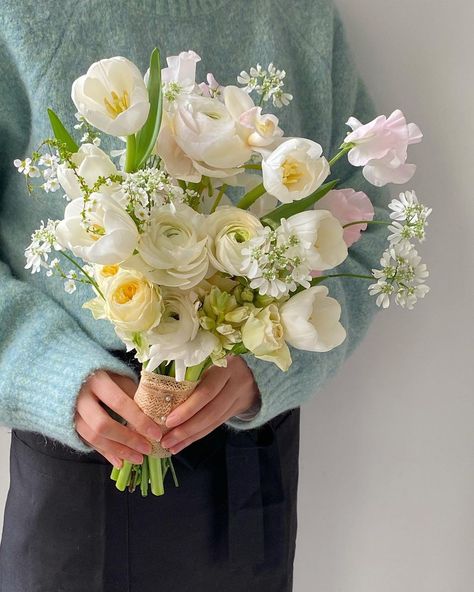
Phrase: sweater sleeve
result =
(281, 391)
(44, 354)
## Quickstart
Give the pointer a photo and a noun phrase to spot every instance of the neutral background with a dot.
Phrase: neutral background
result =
(386, 499)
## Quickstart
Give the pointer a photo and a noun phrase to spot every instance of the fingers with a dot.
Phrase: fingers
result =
(101, 424)
(205, 420)
(212, 383)
(113, 451)
(112, 395)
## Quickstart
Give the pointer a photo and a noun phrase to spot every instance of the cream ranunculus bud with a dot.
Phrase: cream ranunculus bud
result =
(112, 97)
(263, 335)
(310, 320)
(108, 236)
(322, 236)
(132, 303)
(206, 132)
(294, 170)
(92, 163)
(228, 227)
(172, 250)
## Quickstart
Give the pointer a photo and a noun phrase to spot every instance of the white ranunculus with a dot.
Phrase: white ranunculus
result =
(294, 170)
(322, 237)
(92, 163)
(227, 228)
(172, 250)
(178, 337)
(310, 320)
(112, 97)
(256, 129)
(263, 335)
(206, 132)
(131, 302)
(109, 235)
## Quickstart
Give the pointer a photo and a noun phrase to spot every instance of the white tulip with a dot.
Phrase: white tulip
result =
(310, 320)
(112, 97)
(294, 170)
(91, 163)
(227, 228)
(263, 335)
(256, 129)
(322, 237)
(130, 301)
(109, 235)
(206, 132)
(172, 250)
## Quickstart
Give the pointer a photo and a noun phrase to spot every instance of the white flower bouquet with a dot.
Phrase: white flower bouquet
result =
(187, 275)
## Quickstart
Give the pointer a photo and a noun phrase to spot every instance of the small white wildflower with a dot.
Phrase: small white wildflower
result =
(43, 241)
(402, 274)
(407, 207)
(51, 185)
(70, 286)
(268, 83)
(26, 167)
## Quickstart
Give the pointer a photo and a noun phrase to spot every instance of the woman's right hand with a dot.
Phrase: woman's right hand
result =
(112, 439)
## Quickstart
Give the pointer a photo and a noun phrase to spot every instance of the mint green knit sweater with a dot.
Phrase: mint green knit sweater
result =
(48, 343)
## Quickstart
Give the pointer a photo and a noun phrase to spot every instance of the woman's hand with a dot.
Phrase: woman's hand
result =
(221, 393)
(109, 437)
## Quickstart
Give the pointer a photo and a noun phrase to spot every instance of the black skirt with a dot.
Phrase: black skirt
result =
(229, 526)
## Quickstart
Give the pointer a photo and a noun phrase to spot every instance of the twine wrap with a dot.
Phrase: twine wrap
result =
(157, 396)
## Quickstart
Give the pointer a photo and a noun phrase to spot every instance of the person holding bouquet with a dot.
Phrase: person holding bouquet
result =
(67, 383)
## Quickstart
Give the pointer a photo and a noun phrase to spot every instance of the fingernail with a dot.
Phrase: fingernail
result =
(155, 433)
(172, 420)
(167, 442)
(144, 447)
(177, 449)
(117, 462)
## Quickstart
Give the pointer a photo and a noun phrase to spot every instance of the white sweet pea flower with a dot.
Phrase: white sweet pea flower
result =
(381, 148)
(227, 228)
(108, 235)
(263, 335)
(181, 70)
(310, 320)
(172, 250)
(92, 163)
(321, 235)
(130, 302)
(112, 97)
(206, 133)
(294, 170)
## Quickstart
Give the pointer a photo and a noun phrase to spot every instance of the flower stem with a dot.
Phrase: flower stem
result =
(124, 475)
(366, 222)
(217, 201)
(131, 153)
(318, 280)
(145, 477)
(249, 198)
(156, 475)
(344, 150)
(193, 373)
(76, 264)
(252, 166)
(115, 473)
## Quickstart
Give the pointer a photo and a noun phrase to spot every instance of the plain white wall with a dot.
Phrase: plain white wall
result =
(386, 499)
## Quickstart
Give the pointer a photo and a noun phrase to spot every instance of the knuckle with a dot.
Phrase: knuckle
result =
(101, 425)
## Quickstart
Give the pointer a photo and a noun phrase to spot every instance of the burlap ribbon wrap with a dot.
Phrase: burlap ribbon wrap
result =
(157, 396)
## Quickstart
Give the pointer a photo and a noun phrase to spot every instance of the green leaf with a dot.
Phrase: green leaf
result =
(146, 137)
(295, 207)
(61, 133)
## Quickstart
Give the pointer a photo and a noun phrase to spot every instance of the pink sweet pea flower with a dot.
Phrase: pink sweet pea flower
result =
(348, 206)
(381, 148)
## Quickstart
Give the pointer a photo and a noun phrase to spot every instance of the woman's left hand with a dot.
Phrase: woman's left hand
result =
(220, 394)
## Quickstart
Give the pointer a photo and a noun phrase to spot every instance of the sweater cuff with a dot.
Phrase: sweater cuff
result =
(51, 407)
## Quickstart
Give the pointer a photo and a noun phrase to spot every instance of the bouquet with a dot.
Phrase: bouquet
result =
(207, 232)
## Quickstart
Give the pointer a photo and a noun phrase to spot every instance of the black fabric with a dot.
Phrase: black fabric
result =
(230, 525)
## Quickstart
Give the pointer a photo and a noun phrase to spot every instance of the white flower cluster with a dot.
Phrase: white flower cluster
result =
(89, 134)
(268, 83)
(44, 165)
(402, 274)
(43, 241)
(275, 262)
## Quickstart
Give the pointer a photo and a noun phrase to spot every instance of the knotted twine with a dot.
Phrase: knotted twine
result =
(157, 396)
